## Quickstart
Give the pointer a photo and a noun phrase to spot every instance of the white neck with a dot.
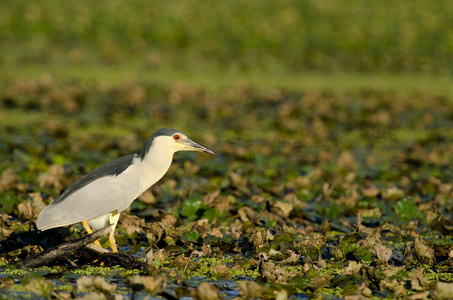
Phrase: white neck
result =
(154, 166)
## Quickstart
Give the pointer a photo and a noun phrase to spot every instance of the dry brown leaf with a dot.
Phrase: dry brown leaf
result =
(281, 295)
(93, 296)
(317, 241)
(345, 160)
(250, 289)
(393, 193)
(149, 257)
(376, 247)
(216, 232)
(294, 200)
(40, 286)
(352, 268)
(238, 182)
(132, 223)
(382, 252)
(256, 238)
(246, 213)
(423, 253)
(7, 282)
(210, 198)
(420, 296)
(390, 271)
(25, 210)
(371, 213)
(443, 290)
(37, 203)
(419, 282)
(284, 208)
(200, 223)
(169, 220)
(101, 285)
(155, 284)
(371, 192)
(161, 255)
(52, 177)
(191, 168)
(223, 271)
(293, 258)
(274, 273)
(327, 190)
(351, 199)
(8, 179)
(318, 282)
(206, 291)
(84, 283)
(236, 230)
(148, 197)
(395, 286)
(301, 182)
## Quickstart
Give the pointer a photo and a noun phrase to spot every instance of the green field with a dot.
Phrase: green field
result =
(332, 124)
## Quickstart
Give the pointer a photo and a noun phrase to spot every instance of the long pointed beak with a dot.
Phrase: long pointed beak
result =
(192, 146)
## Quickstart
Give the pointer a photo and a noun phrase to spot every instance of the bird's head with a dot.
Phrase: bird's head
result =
(171, 140)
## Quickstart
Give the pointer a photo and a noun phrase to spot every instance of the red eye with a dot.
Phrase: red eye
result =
(176, 137)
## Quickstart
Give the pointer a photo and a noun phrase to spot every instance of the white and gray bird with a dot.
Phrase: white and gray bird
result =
(101, 195)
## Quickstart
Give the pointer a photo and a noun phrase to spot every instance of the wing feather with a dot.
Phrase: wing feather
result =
(94, 199)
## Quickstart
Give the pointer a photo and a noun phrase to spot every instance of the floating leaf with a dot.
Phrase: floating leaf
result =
(407, 210)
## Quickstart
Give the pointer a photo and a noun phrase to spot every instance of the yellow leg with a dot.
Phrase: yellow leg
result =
(113, 220)
(89, 231)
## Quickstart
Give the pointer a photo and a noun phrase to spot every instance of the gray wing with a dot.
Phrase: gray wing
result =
(108, 188)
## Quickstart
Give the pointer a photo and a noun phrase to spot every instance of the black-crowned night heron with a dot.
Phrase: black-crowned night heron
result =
(102, 194)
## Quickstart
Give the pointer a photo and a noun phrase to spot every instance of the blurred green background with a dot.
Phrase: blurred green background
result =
(285, 42)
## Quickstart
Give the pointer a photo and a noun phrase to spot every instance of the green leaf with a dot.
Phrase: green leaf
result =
(407, 210)
(191, 208)
(363, 254)
(191, 236)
